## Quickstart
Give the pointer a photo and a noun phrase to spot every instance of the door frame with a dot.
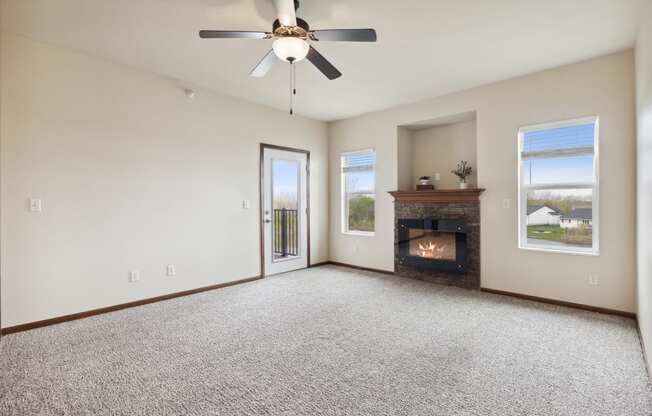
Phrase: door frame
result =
(261, 185)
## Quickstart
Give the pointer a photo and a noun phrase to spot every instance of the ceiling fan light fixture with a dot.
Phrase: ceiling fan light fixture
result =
(290, 48)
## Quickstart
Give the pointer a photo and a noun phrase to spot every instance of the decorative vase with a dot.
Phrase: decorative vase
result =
(464, 185)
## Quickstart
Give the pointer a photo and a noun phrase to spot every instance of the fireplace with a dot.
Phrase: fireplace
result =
(436, 244)
(437, 236)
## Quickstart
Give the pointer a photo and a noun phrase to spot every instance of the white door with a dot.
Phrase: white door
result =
(285, 210)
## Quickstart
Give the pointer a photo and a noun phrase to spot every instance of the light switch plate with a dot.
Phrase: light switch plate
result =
(507, 203)
(437, 176)
(35, 205)
(134, 276)
(246, 204)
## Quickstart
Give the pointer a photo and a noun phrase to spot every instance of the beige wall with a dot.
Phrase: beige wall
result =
(644, 152)
(404, 146)
(133, 175)
(603, 86)
(438, 150)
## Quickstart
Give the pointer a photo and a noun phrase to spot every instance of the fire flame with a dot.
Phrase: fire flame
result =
(431, 250)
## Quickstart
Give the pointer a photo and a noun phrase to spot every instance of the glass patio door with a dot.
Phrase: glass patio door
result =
(285, 210)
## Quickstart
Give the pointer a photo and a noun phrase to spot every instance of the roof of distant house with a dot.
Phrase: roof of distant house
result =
(534, 208)
(580, 214)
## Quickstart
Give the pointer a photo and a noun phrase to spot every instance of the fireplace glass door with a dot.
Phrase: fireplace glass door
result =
(435, 244)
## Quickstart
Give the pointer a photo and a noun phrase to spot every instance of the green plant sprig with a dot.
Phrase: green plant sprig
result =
(463, 170)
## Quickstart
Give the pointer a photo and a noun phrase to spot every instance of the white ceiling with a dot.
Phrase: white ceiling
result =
(426, 48)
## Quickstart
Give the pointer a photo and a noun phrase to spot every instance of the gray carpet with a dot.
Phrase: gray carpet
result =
(330, 341)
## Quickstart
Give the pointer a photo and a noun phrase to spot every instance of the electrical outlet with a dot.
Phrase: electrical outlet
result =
(593, 279)
(437, 176)
(134, 276)
(171, 270)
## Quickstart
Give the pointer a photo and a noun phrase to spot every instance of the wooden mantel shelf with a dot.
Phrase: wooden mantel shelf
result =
(439, 195)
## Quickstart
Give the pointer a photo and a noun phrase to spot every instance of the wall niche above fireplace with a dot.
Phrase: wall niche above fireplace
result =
(434, 147)
(437, 236)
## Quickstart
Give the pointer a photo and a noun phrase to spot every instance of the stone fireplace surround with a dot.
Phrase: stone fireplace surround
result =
(457, 205)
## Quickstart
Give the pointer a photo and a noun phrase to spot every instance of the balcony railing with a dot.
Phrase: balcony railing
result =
(286, 233)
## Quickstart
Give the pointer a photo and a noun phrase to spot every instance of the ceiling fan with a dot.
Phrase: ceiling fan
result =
(291, 41)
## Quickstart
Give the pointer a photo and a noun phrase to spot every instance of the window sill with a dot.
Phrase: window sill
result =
(589, 253)
(360, 233)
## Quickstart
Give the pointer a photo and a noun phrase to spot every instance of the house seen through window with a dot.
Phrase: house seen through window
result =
(558, 187)
(358, 192)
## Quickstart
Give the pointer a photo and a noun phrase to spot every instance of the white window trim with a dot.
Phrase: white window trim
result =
(343, 202)
(595, 186)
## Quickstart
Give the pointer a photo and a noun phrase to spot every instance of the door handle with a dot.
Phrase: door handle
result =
(268, 221)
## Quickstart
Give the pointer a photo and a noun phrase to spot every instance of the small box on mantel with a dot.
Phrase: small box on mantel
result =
(425, 187)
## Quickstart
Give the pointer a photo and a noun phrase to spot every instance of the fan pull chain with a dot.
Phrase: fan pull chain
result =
(293, 89)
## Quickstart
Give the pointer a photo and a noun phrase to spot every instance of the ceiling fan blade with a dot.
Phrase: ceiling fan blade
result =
(286, 13)
(230, 34)
(344, 35)
(322, 64)
(264, 65)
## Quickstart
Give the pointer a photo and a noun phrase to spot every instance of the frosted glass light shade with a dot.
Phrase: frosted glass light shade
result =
(290, 47)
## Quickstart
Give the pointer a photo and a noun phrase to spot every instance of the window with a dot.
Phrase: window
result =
(558, 171)
(358, 192)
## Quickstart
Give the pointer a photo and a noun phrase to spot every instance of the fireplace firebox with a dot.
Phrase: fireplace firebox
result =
(435, 244)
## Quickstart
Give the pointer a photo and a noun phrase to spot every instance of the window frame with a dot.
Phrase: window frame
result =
(344, 206)
(523, 189)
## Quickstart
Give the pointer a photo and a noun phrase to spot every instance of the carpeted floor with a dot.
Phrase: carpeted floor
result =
(330, 341)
